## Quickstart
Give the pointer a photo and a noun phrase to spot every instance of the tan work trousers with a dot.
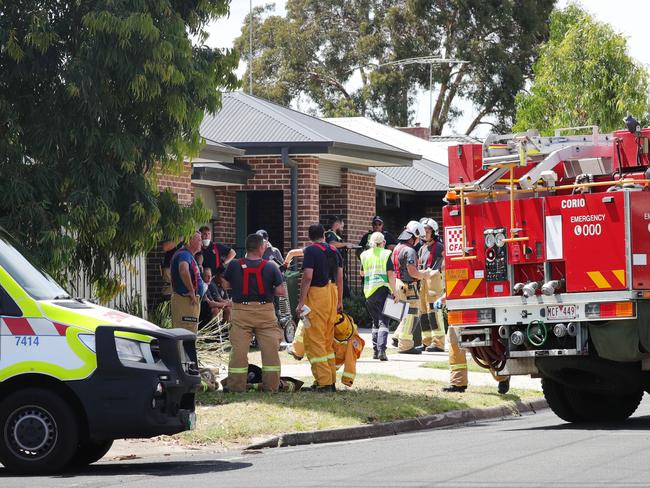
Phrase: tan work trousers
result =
(319, 337)
(185, 314)
(408, 331)
(433, 332)
(258, 319)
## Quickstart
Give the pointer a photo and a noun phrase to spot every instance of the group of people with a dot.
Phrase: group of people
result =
(411, 272)
(408, 269)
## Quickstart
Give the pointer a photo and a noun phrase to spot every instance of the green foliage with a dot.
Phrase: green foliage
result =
(93, 97)
(133, 306)
(355, 306)
(161, 315)
(584, 76)
(321, 49)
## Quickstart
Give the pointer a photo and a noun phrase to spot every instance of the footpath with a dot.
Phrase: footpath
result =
(409, 367)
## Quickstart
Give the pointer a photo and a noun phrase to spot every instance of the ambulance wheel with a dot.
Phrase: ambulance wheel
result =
(289, 331)
(555, 396)
(39, 432)
(90, 452)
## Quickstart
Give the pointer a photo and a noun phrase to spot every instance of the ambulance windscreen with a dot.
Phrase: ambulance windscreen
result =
(32, 279)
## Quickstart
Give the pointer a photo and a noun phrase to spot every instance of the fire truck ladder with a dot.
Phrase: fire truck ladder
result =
(501, 153)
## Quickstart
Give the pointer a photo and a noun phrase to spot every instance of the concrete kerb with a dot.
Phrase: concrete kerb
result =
(385, 429)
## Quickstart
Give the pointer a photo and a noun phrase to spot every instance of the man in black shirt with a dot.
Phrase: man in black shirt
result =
(213, 255)
(378, 226)
(322, 291)
(254, 282)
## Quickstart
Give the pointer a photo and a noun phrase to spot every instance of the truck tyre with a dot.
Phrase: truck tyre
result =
(557, 400)
(90, 452)
(600, 407)
(38, 432)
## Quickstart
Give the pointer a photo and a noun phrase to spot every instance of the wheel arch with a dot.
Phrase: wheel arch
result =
(35, 380)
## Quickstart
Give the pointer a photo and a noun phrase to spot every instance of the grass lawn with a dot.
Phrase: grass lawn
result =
(240, 418)
(471, 366)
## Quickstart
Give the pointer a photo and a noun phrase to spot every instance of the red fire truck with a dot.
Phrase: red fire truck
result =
(547, 244)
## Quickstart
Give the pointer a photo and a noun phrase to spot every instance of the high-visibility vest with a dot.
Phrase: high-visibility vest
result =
(375, 274)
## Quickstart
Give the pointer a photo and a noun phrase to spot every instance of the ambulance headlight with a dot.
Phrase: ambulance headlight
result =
(130, 350)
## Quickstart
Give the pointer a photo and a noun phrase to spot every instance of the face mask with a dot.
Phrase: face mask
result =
(206, 242)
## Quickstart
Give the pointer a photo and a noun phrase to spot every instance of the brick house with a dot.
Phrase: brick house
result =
(271, 167)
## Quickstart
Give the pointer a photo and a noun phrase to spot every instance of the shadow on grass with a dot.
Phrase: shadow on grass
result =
(364, 404)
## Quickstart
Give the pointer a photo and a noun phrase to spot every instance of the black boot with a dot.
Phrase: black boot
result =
(382, 356)
(454, 389)
(504, 386)
(375, 354)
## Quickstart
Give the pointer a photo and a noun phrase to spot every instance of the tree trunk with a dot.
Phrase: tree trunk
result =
(477, 120)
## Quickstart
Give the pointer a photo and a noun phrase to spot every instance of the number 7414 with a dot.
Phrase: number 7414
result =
(27, 341)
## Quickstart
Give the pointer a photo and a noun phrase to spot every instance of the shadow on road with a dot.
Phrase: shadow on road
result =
(633, 423)
(163, 468)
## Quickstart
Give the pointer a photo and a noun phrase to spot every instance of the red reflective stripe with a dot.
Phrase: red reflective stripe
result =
(195, 279)
(432, 248)
(397, 269)
(217, 258)
(60, 328)
(257, 272)
(18, 326)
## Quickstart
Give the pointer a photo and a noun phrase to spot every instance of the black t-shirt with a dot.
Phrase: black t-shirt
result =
(271, 278)
(317, 259)
(390, 239)
(405, 255)
(210, 258)
(167, 257)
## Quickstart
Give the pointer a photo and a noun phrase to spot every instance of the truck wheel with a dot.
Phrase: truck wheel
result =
(601, 407)
(38, 431)
(556, 398)
(90, 452)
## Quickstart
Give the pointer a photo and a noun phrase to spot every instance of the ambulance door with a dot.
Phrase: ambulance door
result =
(9, 309)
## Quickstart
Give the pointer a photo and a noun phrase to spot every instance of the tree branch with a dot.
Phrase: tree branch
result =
(331, 82)
(478, 121)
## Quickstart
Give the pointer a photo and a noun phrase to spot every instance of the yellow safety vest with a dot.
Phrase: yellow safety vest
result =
(375, 275)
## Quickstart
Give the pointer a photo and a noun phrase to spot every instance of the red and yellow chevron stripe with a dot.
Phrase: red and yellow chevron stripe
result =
(609, 279)
(462, 288)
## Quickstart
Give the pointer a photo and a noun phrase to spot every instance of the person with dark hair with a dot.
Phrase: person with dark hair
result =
(254, 282)
(212, 254)
(378, 226)
(333, 235)
(270, 252)
(321, 290)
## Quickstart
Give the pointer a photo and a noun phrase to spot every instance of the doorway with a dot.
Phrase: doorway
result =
(265, 210)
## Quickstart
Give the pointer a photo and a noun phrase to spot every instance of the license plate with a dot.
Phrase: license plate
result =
(561, 312)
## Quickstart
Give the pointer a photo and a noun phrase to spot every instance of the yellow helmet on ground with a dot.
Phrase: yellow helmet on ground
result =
(344, 327)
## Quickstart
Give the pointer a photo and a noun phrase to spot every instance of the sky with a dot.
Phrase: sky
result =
(628, 17)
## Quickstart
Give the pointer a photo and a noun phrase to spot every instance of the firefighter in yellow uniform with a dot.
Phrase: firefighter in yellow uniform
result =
(430, 257)
(254, 282)
(321, 290)
(405, 262)
(348, 346)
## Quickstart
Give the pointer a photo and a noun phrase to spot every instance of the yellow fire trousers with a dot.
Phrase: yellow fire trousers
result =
(346, 353)
(247, 320)
(319, 337)
(433, 330)
(458, 362)
(185, 315)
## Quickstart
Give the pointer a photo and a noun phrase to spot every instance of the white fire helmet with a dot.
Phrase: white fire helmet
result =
(415, 228)
(427, 222)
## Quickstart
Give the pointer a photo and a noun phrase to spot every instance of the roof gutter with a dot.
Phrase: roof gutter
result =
(293, 167)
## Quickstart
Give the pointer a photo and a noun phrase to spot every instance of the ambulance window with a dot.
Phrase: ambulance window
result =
(33, 280)
(8, 306)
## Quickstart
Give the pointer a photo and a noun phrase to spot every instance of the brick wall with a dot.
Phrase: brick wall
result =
(271, 174)
(180, 184)
(360, 193)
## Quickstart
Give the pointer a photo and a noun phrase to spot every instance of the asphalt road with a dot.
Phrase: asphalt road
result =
(534, 450)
